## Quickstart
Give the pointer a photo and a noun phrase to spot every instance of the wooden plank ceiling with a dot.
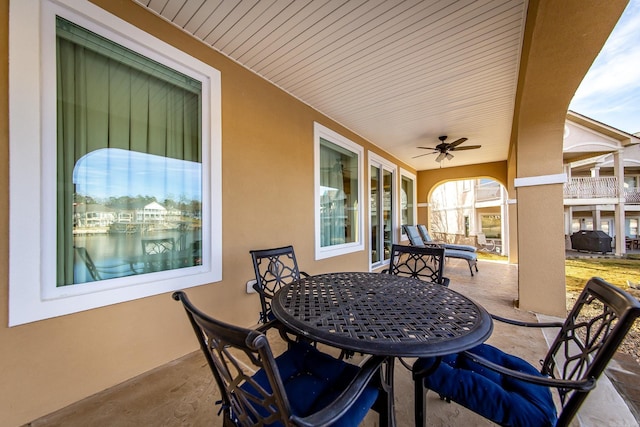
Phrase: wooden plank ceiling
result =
(398, 73)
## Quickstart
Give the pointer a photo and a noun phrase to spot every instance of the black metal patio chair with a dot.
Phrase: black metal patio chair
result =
(511, 392)
(158, 253)
(273, 269)
(424, 263)
(300, 387)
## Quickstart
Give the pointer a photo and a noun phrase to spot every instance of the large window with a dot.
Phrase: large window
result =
(382, 199)
(128, 195)
(338, 170)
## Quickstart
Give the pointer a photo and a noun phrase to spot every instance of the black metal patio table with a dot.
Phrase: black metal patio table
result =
(382, 314)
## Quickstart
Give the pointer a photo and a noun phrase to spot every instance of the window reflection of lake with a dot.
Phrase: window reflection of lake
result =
(118, 250)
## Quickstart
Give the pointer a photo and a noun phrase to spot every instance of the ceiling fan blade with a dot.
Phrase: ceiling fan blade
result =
(425, 154)
(441, 157)
(457, 142)
(468, 147)
(428, 148)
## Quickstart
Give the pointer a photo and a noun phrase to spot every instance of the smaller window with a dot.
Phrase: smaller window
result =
(338, 172)
(491, 225)
(408, 205)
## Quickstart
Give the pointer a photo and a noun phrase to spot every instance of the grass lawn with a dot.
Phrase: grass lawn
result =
(579, 270)
(613, 270)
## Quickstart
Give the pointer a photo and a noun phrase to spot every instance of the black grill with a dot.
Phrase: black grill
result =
(591, 241)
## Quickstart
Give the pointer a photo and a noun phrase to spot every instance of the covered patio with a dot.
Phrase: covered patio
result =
(183, 392)
(77, 348)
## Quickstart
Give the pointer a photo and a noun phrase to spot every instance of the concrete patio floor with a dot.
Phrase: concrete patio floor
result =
(183, 393)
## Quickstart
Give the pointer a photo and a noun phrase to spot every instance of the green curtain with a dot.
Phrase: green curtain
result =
(333, 199)
(111, 97)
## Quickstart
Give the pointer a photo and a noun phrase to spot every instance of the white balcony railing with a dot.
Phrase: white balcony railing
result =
(485, 193)
(632, 195)
(591, 188)
(599, 188)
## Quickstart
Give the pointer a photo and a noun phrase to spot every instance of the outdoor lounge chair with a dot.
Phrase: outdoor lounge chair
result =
(416, 240)
(302, 386)
(511, 392)
(426, 237)
(424, 263)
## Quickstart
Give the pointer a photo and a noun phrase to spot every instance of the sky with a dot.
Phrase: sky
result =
(610, 92)
(112, 172)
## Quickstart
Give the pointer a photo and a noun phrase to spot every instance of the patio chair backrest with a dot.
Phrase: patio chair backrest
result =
(220, 343)
(591, 334)
(84, 256)
(413, 234)
(258, 389)
(424, 263)
(273, 269)
(424, 233)
(157, 246)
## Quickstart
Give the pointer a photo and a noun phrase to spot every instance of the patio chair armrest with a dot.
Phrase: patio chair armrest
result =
(433, 245)
(583, 385)
(275, 323)
(445, 281)
(346, 399)
(527, 324)
(302, 273)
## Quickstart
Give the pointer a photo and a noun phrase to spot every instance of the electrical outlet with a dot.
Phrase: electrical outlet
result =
(250, 284)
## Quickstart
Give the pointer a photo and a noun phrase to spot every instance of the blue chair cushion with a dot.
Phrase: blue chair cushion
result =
(312, 380)
(466, 255)
(502, 399)
(467, 248)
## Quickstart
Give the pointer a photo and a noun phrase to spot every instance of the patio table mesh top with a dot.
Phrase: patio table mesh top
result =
(382, 314)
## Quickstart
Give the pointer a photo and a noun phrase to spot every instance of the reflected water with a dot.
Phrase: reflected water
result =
(120, 255)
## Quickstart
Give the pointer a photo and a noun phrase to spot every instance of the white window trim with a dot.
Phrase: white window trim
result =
(32, 97)
(407, 174)
(320, 131)
(379, 161)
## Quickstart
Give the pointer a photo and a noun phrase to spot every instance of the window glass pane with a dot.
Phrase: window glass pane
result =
(491, 225)
(338, 194)
(129, 160)
(375, 216)
(406, 202)
(387, 211)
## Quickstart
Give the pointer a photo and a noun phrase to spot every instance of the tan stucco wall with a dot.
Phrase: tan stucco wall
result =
(268, 199)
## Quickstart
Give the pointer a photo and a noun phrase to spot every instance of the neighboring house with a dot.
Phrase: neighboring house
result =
(603, 179)
(153, 212)
(462, 210)
(93, 216)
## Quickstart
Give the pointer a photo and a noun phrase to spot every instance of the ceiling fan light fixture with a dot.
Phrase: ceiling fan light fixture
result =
(449, 156)
(440, 157)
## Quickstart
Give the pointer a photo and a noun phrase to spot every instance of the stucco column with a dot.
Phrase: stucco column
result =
(560, 43)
